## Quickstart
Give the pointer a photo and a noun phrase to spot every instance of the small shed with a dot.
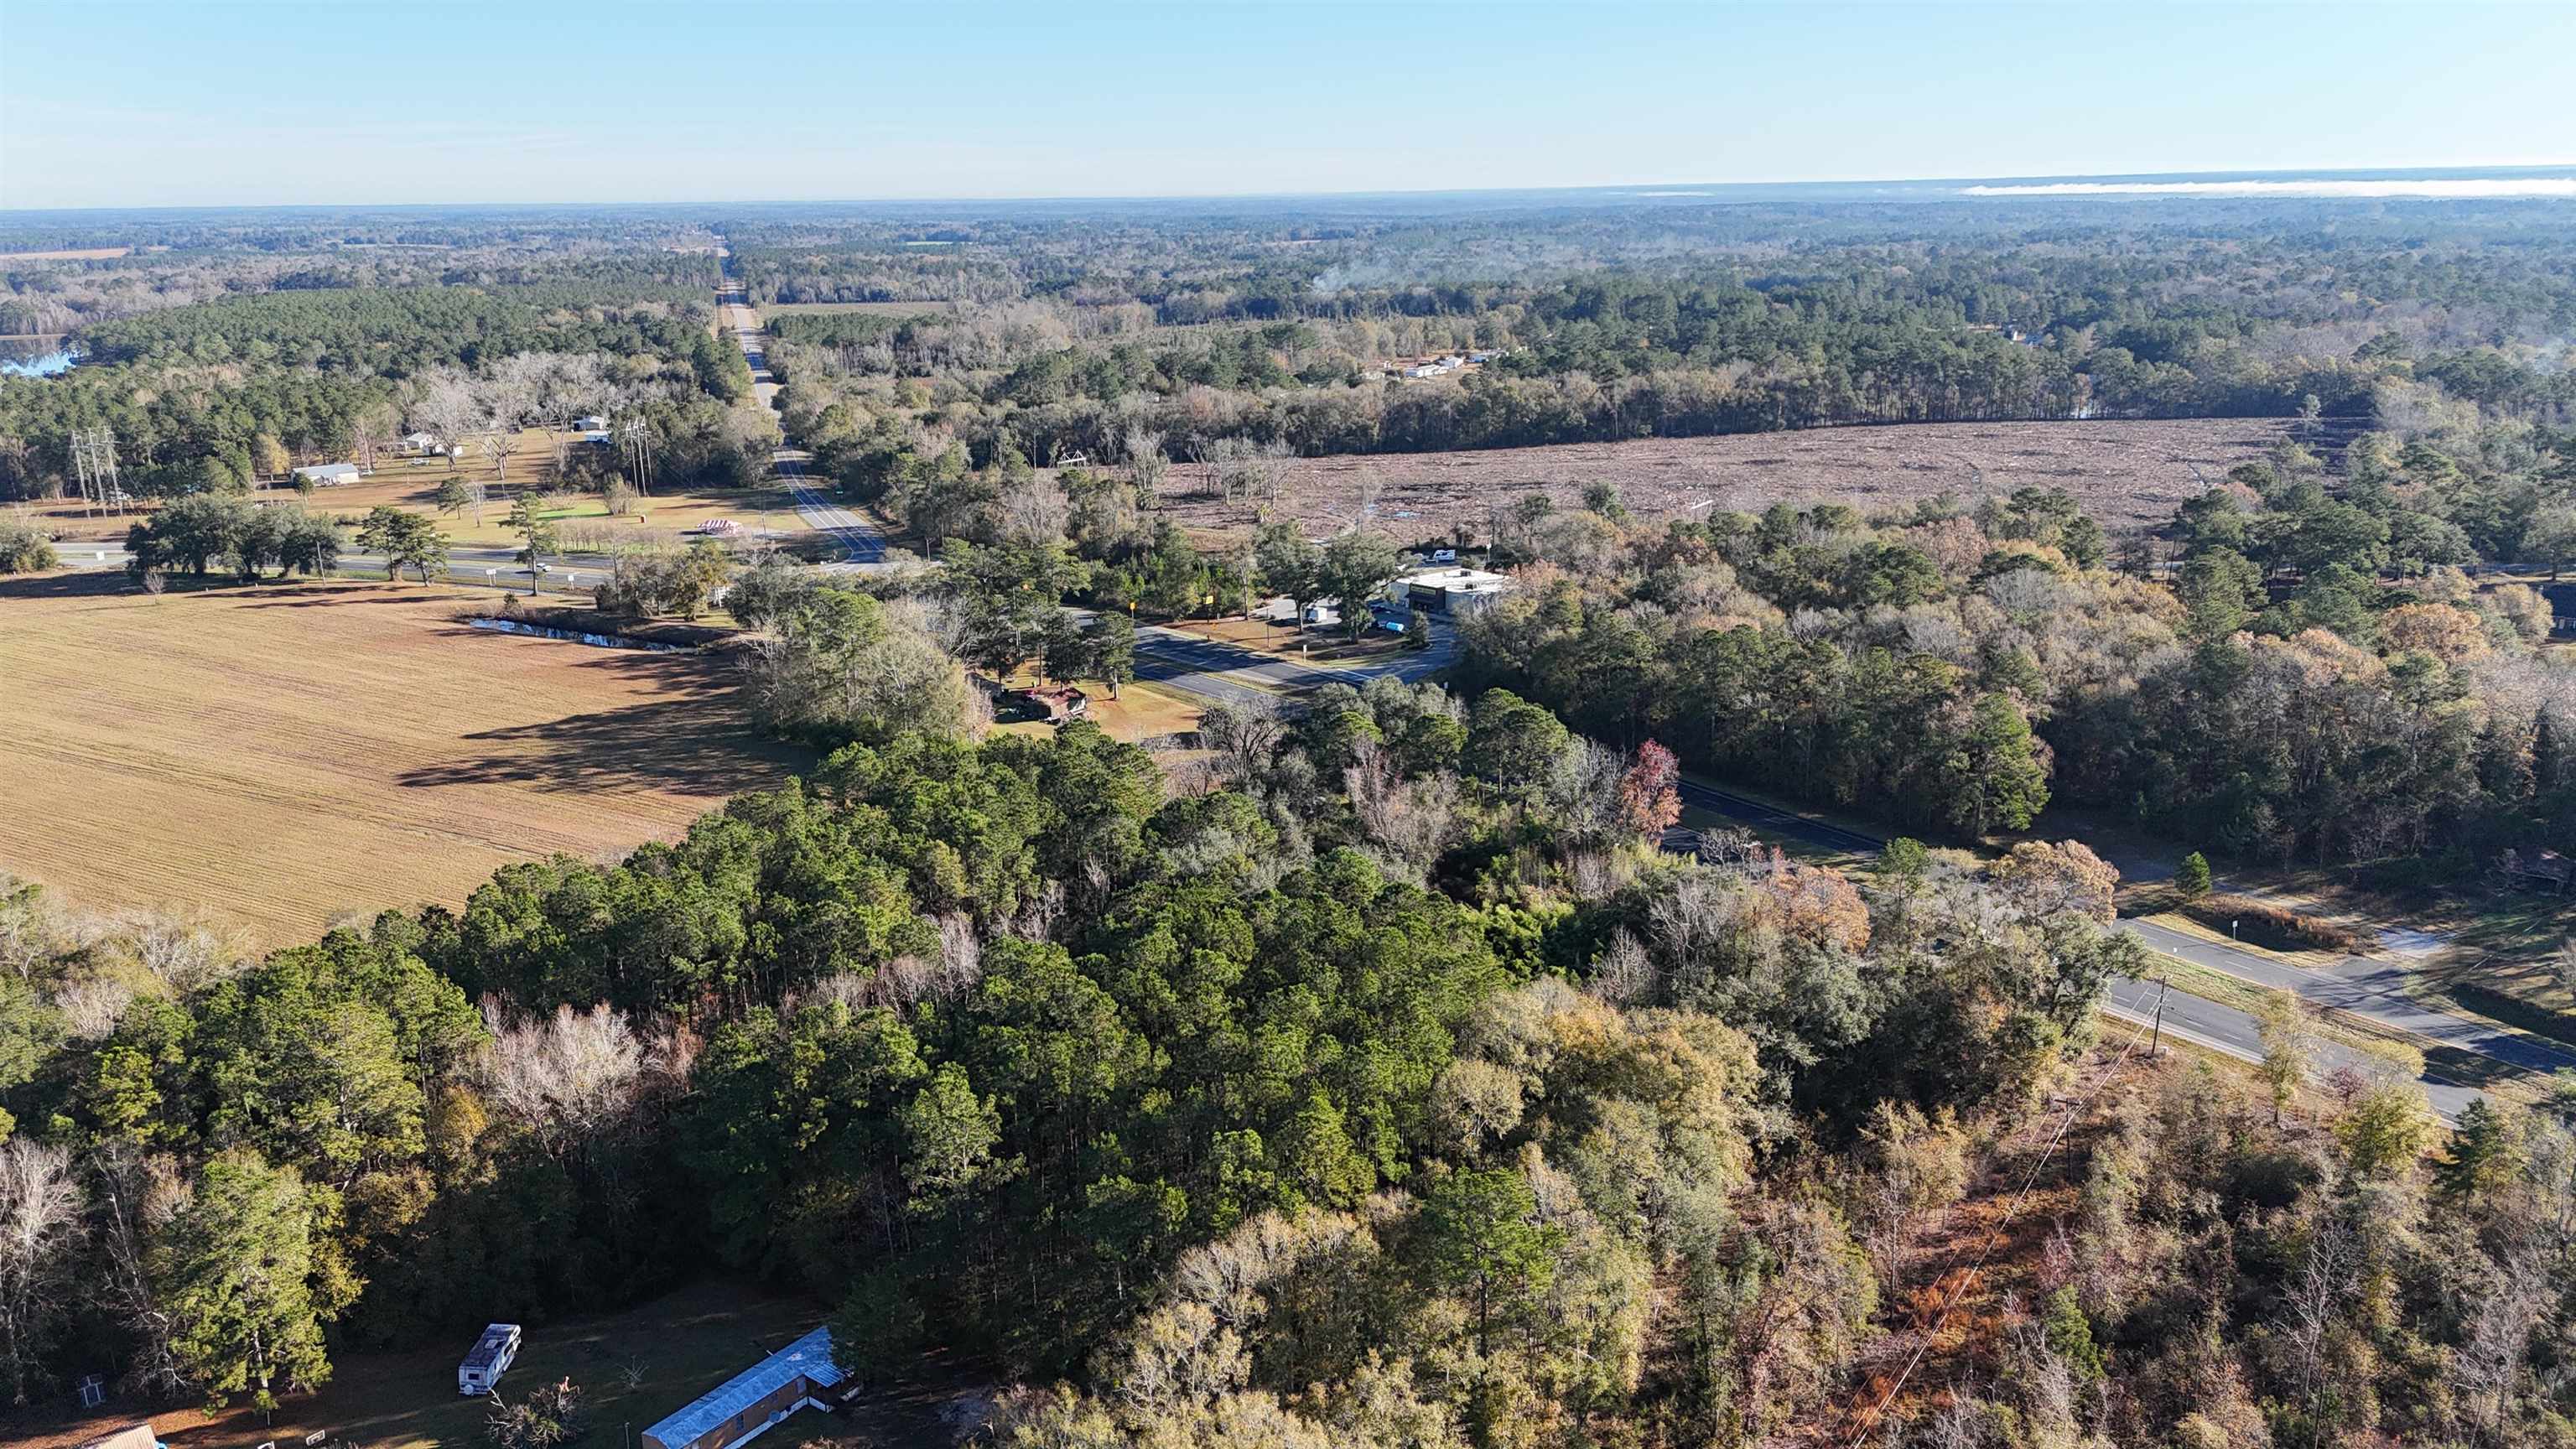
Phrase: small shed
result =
(755, 1399)
(329, 475)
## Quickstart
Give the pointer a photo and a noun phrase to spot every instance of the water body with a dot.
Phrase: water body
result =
(595, 641)
(2447, 183)
(36, 356)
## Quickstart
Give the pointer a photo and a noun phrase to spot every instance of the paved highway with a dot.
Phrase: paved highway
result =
(2224, 1029)
(2368, 989)
(860, 545)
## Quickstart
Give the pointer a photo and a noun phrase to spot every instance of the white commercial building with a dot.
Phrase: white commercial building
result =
(1451, 590)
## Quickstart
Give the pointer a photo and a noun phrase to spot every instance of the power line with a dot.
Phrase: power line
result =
(94, 465)
(1876, 1414)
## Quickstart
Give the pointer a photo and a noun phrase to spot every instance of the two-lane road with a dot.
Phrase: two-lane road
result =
(857, 543)
(2368, 989)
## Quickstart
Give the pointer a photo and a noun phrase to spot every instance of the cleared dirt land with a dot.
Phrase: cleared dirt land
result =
(2126, 473)
(280, 754)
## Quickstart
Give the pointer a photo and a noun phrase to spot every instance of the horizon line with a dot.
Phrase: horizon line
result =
(1653, 189)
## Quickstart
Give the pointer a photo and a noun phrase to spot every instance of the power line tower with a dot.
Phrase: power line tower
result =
(636, 441)
(94, 464)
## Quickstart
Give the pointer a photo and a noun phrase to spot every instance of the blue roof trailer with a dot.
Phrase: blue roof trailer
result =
(750, 1402)
(489, 1360)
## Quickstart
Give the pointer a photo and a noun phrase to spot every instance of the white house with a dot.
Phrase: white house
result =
(328, 475)
(420, 442)
(591, 423)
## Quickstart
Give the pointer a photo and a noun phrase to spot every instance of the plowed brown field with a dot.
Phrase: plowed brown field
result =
(277, 755)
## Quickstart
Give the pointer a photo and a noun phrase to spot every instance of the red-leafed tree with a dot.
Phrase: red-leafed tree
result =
(1648, 799)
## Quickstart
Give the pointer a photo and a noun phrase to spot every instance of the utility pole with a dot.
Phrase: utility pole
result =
(2155, 1040)
(94, 465)
(80, 469)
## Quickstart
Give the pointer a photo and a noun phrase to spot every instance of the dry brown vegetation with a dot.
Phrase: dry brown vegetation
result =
(280, 754)
(2125, 473)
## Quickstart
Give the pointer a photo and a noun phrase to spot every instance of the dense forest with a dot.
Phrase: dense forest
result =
(1667, 323)
(221, 393)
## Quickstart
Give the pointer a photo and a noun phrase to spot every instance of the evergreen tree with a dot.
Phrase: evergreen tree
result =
(2191, 876)
(246, 1272)
(536, 535)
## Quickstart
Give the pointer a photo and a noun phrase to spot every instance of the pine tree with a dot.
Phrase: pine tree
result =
(2485, 1154)
(239, 1272)
(2191, 877)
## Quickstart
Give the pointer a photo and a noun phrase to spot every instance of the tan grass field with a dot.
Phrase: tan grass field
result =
(277, 755)
(411, 484)
(2125, 473)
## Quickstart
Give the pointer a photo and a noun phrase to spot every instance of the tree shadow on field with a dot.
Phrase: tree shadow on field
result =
(695, 739)
(352, 591)
(84, 584)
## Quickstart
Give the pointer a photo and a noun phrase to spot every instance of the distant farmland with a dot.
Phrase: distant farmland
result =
(2126, 473)
(278, 755)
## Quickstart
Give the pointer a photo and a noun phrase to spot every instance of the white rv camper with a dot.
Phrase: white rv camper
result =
(489, 1360)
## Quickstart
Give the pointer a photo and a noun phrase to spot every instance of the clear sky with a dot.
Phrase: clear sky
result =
(217, 102)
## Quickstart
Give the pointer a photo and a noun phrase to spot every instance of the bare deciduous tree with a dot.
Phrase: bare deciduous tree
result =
(1147, 464)
(1034, 511)
(1244, 738)
(39, 1221)
(1412, 820)
(2315, 1300)
(136, 1196)
(444, 406)
(567, 1076)
(370, 431)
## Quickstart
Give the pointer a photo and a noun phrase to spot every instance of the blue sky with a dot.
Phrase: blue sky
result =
(122, 102)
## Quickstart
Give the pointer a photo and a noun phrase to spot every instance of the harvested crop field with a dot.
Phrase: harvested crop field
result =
(276, 755)
(2125, 473)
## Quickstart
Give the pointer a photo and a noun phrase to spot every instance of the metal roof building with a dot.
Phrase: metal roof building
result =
(749, 1402)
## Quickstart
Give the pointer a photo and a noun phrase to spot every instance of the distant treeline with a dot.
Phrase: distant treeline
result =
(400, 331)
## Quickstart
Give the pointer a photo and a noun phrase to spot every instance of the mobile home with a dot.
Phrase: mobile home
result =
(329, 475)
(751, 1401)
